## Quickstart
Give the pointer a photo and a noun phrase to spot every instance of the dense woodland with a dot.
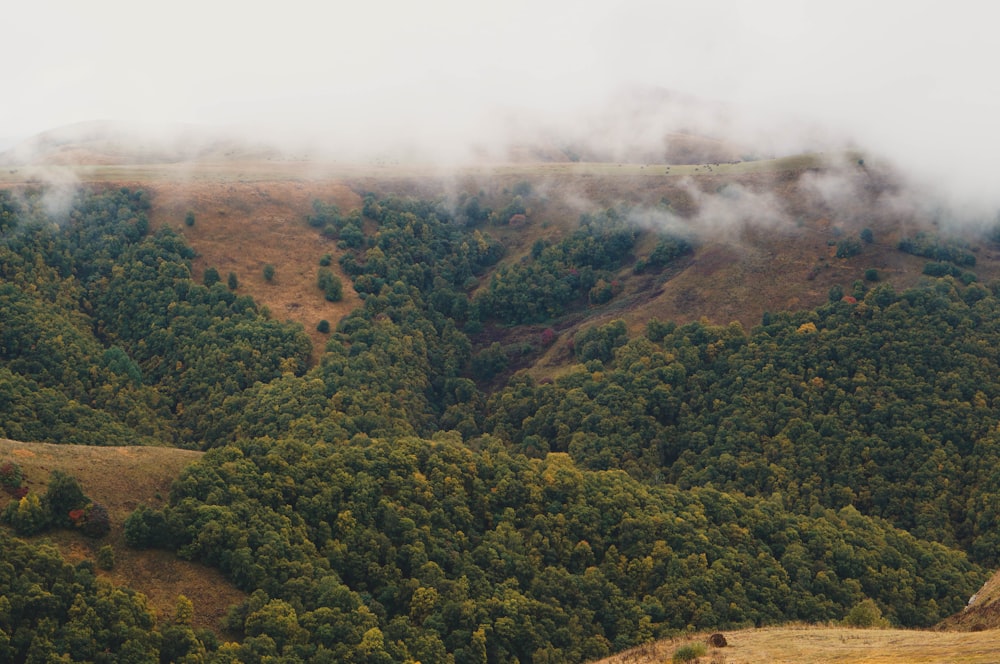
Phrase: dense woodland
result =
(408, 498)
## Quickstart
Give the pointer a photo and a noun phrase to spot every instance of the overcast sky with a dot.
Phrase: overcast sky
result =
(913, 80)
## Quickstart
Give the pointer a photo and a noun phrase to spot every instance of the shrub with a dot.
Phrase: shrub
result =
(11, 476)
(325, 260)
(848, 247)
(212, 277)
(146, 528)
(489, 362)
(933, 247)
(689, 652)
(667, 249)
(106, 557)
(324, 326)
(599, 343)
(232, 281)
(268, 272)
(189, 218)
(602, 292)
(63, 496)
(871, 274)
(330, 284)
(941, 269)
(27, 515)
(96, 523)
(865, 614)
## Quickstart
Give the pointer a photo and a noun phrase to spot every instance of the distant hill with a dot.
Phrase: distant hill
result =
(105, 143)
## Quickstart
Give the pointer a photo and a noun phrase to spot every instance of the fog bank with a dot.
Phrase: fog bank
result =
(910, 82)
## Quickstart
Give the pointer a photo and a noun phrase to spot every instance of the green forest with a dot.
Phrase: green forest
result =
(410, 497)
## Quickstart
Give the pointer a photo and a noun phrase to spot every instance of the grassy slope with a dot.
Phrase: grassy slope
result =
(830, 645)
(120, 478)
(242, 226)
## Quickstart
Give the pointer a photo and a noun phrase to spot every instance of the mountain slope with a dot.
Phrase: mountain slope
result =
(121, 478)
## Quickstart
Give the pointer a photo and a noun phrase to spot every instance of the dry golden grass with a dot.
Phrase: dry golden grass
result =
(830, 645)
(120, 478)
(242, 226)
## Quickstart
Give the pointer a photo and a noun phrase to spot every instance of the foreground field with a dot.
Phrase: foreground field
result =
(120, 478)
(830, 645)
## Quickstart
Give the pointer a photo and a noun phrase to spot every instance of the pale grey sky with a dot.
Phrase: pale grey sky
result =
(914, 80)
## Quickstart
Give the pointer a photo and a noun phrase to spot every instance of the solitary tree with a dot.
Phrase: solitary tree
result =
(212, 277)
(330, 284)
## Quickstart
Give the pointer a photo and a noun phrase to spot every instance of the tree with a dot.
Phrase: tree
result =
(63, 496)
(145, 528)
(27, 515)
(490, 361)
(211, 277)
(330, 284)
(848, 247)
(11, 476)
(183, 611)
(268, 273)
(865, 614)
(232, 281)
(189, 218)
(96, 521)
(106, 557)
(278, 620)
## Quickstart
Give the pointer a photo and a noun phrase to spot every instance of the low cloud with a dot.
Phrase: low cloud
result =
(453, 81)
(723, 215)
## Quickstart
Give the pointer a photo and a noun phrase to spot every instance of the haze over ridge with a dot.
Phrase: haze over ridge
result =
(909, 81)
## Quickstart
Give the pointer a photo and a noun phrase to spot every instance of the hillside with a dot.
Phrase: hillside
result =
(767, 244)
(121, 478)
(563, 408)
